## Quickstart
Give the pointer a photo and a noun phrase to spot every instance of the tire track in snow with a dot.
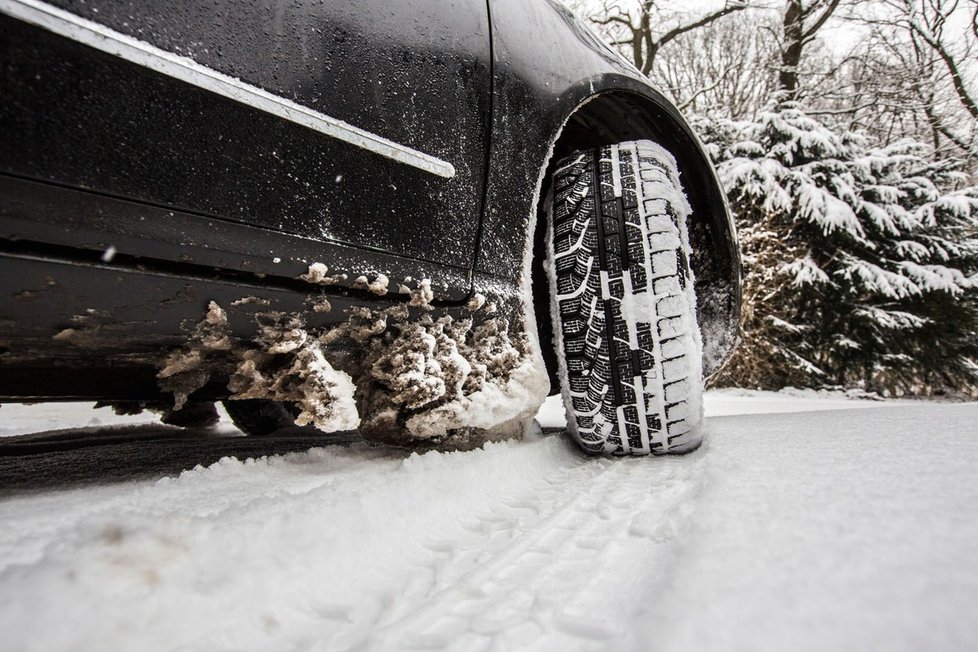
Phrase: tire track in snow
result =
(562, 567)
(521, 544)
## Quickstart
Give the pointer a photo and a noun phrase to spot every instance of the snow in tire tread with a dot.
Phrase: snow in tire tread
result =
(624, 300)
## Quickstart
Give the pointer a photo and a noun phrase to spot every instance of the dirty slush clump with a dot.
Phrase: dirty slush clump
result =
(398, 374)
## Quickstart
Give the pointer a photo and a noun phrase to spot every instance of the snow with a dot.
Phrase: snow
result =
(936, 278)
(452, 375)
(390, 373)
(874, 278)
(378, 286)
(821, 207)
(316, 274)
(21, 419)
(728, 402)
(477, 301)
(323, 395)
(423, 295)
(847, 530)
(493, 405)
(805, 271)
(800, 524)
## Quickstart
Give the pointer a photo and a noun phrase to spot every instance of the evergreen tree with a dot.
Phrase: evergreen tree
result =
(861, 263)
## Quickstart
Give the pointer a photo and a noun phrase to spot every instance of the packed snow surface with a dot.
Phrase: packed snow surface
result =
(796, 528)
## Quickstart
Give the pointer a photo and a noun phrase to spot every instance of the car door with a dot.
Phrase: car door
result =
(413, 76)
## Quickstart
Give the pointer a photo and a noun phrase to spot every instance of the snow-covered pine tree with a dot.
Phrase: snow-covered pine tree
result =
(860, 262)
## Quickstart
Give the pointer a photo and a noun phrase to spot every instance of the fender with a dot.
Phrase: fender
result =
(542, 112)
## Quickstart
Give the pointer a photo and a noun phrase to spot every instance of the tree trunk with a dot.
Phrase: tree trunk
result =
(791, 49)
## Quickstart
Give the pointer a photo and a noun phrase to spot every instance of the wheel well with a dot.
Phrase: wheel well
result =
(616, 117)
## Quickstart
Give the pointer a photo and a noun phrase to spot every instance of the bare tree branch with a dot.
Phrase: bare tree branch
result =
(932, 38)
(720, 78)
(705, 20)
(635, 28)
(820, 21)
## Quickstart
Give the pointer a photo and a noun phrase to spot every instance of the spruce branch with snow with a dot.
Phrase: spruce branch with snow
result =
(860, 261)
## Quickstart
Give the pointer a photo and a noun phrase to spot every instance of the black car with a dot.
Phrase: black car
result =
(416, 219)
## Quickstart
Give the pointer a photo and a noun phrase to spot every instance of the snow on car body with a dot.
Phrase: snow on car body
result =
(188, 193)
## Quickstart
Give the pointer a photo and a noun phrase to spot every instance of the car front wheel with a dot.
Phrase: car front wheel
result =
(623, 301)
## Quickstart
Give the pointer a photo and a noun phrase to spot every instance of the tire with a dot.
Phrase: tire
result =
(623, 301)
(258, 417)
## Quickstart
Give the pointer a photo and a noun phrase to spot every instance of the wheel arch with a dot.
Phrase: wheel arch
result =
(619, 115)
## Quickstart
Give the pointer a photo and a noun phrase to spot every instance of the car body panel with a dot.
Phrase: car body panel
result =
(86, 119)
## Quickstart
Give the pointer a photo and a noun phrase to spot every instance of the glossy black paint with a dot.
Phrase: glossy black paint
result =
(416, 73)
(206, 199)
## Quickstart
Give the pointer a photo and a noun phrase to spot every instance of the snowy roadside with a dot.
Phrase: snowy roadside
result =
(729, 402)
(833, 529)
(18, 419)
(21, 419)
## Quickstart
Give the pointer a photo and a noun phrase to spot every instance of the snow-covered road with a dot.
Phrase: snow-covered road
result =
(842, 529)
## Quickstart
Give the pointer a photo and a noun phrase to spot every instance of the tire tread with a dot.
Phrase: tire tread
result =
(616, 235)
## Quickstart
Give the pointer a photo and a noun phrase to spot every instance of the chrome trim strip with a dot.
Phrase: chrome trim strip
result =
(187, 70)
